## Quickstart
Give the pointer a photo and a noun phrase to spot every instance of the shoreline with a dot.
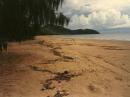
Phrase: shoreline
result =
(89, 36)
(85, 39)
(92, 39)
(75, 67)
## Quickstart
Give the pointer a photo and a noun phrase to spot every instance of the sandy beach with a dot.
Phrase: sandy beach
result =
(65, 67)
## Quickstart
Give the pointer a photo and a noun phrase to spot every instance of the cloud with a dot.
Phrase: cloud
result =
(97, 14)
(99, 20)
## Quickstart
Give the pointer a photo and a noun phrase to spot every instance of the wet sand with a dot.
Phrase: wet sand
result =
(65, 67)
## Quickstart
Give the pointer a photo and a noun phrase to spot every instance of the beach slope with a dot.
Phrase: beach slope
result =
(65, 67)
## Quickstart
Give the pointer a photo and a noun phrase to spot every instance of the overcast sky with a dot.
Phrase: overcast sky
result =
(97, 14)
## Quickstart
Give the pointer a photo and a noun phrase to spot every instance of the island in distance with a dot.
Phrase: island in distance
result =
(58, 30)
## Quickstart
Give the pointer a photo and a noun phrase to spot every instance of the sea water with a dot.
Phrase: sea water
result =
(105, 36)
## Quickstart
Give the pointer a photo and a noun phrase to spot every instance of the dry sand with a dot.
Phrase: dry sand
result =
(65, 67)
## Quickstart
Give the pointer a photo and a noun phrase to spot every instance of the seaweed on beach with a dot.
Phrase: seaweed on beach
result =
(61, 94)
(35, 68)
(64, 76)
(48, 85)
(60, 76)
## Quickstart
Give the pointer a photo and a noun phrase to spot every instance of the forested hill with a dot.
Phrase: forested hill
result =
(58, 30)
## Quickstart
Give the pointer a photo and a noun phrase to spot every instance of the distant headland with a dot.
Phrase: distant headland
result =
(58, 30)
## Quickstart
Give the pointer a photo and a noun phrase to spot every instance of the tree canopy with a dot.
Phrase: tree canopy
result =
(22, 19)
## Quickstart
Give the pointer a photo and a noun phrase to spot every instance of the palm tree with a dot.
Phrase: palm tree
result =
(22, 19)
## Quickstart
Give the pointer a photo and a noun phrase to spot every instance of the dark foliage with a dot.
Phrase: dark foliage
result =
(22, 19)
(59, 30)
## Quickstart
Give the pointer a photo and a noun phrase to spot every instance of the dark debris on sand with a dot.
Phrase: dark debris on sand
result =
(58, 77)
(48, 85)
(64, 76)
(61, 94)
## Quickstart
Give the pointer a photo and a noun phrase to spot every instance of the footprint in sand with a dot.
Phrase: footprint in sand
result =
(118, 78)
(94, 89)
